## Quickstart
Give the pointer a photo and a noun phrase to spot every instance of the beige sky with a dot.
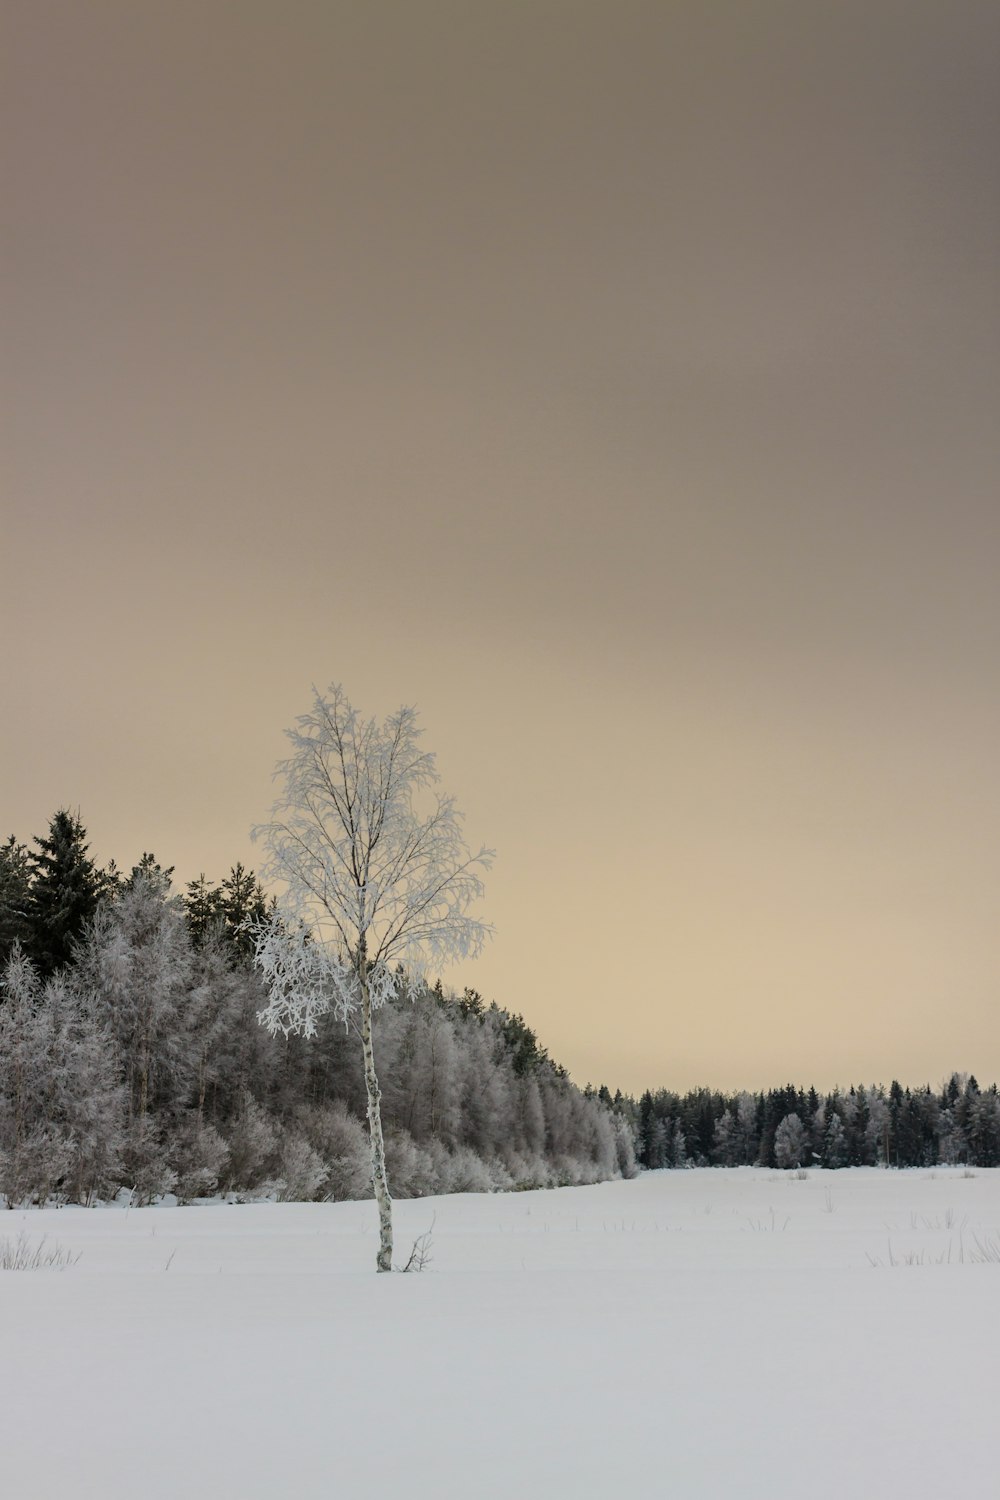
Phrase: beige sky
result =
(618, 383)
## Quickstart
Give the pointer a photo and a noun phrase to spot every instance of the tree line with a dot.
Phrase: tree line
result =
(131, 1057)
(789, 1127)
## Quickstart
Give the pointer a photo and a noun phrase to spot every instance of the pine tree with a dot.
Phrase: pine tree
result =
(203, 904)
(150, 870)
(243, 905)
(65, 889)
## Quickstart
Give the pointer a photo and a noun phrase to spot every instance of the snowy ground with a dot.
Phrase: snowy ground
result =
(690, 1334)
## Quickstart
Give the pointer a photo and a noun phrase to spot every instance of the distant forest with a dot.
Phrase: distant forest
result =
(131, 1058)
(791, 1127)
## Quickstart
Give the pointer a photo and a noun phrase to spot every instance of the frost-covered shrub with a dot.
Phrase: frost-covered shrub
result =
(94, 1126)
(624, 1147)
(302, 1172)
(342, 1143)
(410, 1167)
(528, 1171)
(501, 1180)
(253, 1146)
(146, 1163)
(569, 1171)
(96, 1169)
(199, 1157)
(467, 1173)
(34, 1169)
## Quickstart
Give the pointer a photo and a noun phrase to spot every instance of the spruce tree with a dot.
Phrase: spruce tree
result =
(203, 904)
(65, 889)
(243, 905)
(149, 870)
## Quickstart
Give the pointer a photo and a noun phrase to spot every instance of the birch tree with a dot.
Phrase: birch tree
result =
(377, 882)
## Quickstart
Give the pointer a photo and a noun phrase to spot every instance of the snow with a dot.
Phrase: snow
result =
(688, 1334)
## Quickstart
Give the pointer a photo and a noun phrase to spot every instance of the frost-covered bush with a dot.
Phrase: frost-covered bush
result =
(60, 1103)
(302, 1172)
(411, 1167)
(465, 1172)
(34, 1168)
(252, 1140)
(571, 1171)
(501, 1180)
(625, 1162)
(146, 1162)
(528, 1171)
(199, 1157)
(342, 1144)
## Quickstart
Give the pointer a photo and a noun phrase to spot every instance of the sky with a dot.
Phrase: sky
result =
(616, 382)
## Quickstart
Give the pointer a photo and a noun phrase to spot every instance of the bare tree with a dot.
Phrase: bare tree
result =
(377, 883)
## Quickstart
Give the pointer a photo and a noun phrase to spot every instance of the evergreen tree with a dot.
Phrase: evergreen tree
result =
(15, 897)
(203, 904)
(522, 1043)
(678, 1146)
(65, 889)
(151, 871)
(243, 905)
(983, 1129)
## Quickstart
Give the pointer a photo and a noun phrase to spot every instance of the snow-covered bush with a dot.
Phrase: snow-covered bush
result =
(527, 1171)
(252, 1140)
(302, 1172)
(466, 1172)
(342, 1145)
(33, 1168)
(198, 1156)
(146, 1162)
(411, 1168)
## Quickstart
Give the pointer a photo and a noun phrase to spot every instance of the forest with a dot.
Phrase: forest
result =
(865, 1125)
(131, 1058)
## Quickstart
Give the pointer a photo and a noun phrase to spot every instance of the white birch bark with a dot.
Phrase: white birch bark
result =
(380, 1185)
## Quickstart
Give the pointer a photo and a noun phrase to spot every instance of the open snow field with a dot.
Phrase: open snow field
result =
(689, 1334)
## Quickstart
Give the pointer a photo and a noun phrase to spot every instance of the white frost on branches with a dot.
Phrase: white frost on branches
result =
(305, 980)
(376, 873)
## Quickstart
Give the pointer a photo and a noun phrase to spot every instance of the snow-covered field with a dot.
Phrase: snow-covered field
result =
(689, 1334)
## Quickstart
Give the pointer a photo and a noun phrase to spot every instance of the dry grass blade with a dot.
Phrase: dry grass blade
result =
(21, 1254)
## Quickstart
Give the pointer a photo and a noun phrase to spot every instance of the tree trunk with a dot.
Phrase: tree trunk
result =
(384, 1259)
